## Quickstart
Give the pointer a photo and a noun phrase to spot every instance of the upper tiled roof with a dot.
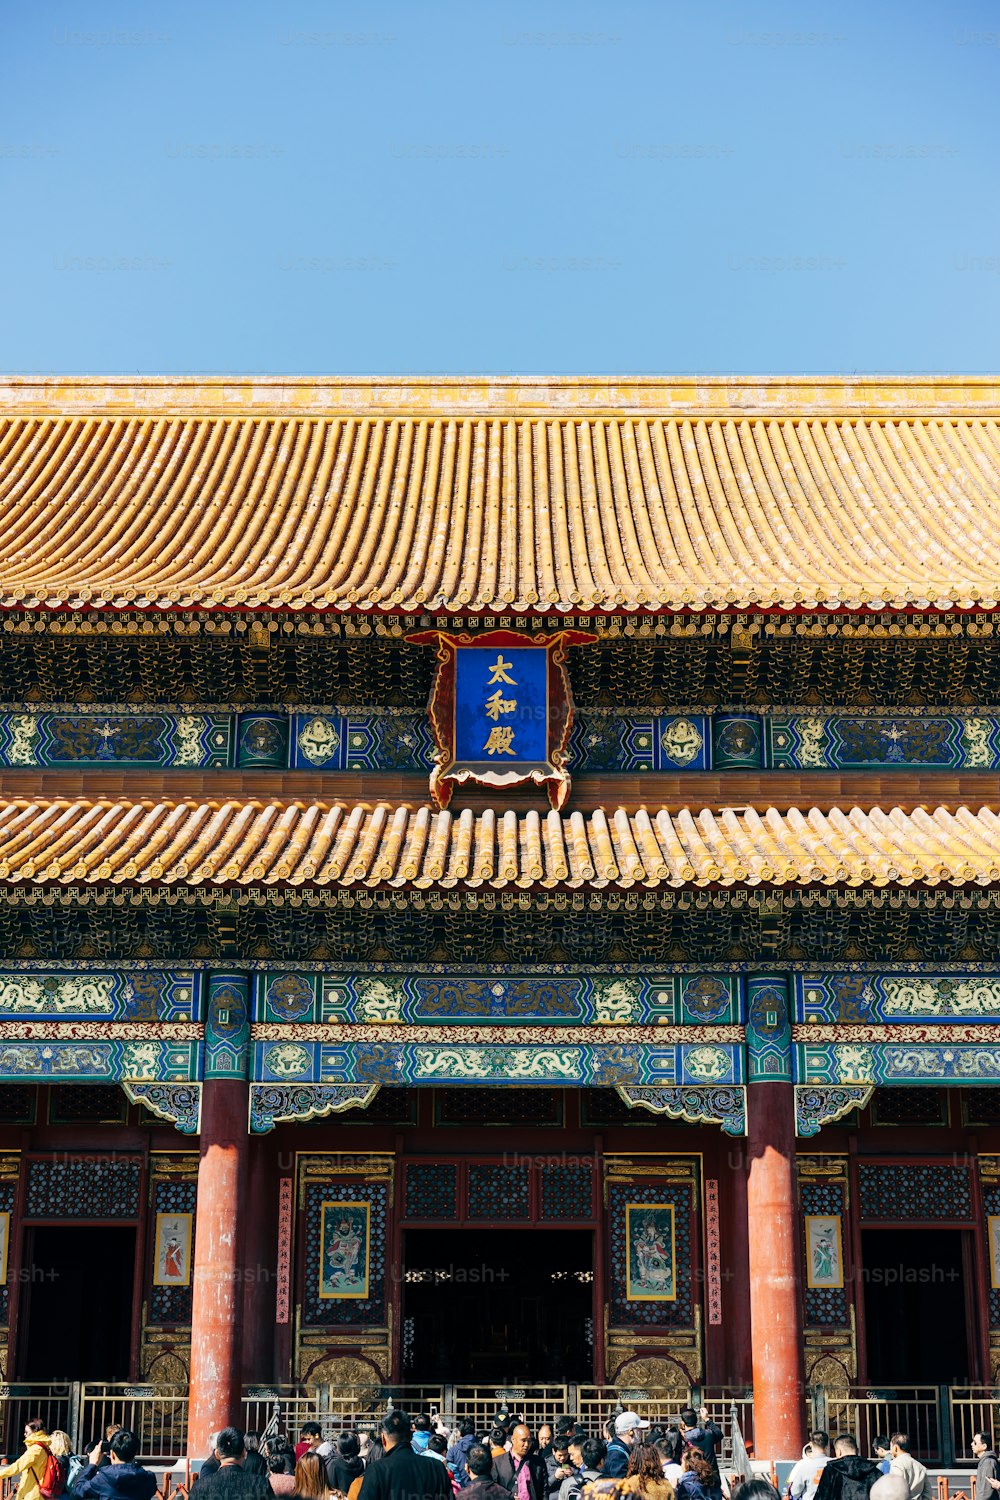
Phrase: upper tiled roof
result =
(499, 496)
(275, 843)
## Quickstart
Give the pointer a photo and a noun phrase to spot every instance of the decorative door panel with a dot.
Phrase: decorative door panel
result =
(653, 1313)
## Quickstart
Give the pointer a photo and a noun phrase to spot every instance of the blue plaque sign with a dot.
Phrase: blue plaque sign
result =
(500, 709)
(501, 705)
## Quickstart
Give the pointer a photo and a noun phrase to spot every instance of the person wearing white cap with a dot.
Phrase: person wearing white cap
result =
(627, 1426)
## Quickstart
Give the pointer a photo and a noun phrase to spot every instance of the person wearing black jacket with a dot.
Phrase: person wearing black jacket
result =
(523, 1470)
(344, 1464)
(847, 1476)
(403, 1474)
(230, 1480)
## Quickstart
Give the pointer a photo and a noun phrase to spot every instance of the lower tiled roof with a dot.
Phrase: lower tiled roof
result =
(331, 844)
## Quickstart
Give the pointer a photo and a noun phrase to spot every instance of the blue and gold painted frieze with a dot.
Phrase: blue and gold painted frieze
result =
(893, 1060)
(623, 742)
(86, 1058)
(606, 741)
(837, 742)
(138, 996)
(835, 997)
(449, 995)
(389, 741)
(543, 1056)
(195, 741)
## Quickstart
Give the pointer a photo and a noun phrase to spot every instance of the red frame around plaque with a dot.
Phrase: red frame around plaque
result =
(449, 773)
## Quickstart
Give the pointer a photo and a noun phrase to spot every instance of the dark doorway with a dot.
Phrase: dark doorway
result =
(914, 1280)
(504, 1305)
(78, 1303)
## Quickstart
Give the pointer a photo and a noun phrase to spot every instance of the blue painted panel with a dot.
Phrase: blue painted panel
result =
(501, 706)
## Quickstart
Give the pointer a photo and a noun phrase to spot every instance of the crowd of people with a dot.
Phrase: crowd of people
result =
(892, 1472)
(421, 1459)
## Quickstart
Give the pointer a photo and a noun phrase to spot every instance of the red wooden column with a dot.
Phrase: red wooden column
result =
(779, 1418)
(220, 1228)
(217, 1303)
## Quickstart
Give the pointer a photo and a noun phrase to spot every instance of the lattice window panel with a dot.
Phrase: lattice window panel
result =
(503, 1106)
(8, 1193)
(991, 1206)
(431, 1191)
(981, 1106)
(391, 1106)
(319, 1311)
(498, 1192)
(566, 1192)
(825, 1307)
(86, 1104)
(18, 1103)
(82, 1188)
(910, 1107)
(914, 1191)
(607, 1107)
(172, 1304)
(678, 1313)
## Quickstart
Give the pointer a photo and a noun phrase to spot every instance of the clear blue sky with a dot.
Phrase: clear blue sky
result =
(466, 186)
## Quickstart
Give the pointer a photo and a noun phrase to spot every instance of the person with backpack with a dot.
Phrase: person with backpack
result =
(70, 1464)
(36, 1464)
(123, 1479)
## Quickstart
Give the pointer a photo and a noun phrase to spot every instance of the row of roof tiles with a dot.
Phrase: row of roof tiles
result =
(439, 514)
(278, 843)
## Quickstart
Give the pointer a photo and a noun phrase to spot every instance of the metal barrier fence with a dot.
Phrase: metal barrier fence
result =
(939, 1419)
(914, 1409)
(972, 1408)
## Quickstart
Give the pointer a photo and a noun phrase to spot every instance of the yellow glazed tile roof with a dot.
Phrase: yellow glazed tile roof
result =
(79, 841)
(501, 497)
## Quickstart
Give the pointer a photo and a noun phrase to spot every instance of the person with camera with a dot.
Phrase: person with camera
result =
(123, 1478)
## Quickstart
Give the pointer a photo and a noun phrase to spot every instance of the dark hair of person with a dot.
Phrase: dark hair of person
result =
(35, 1425)
(421, 1423)
(757, 1488)
(698, 1465)
(594, 1451)
(479, 1460)
(845, 1444)
(880, 1440)
(251, 1442)
(982, 1437)
(561, 1443)
(348, 1445)
(902, 1440)
(655, 1432)
(229, 1443)
(645, 1462)
(498, 1436)
(396, 1425)
(281, 1463)
(312, 1428)
(467, 1428)
(689, 1416)
(125, 1445)
(437, 1443)
(820, 1438)
(564, 1424)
